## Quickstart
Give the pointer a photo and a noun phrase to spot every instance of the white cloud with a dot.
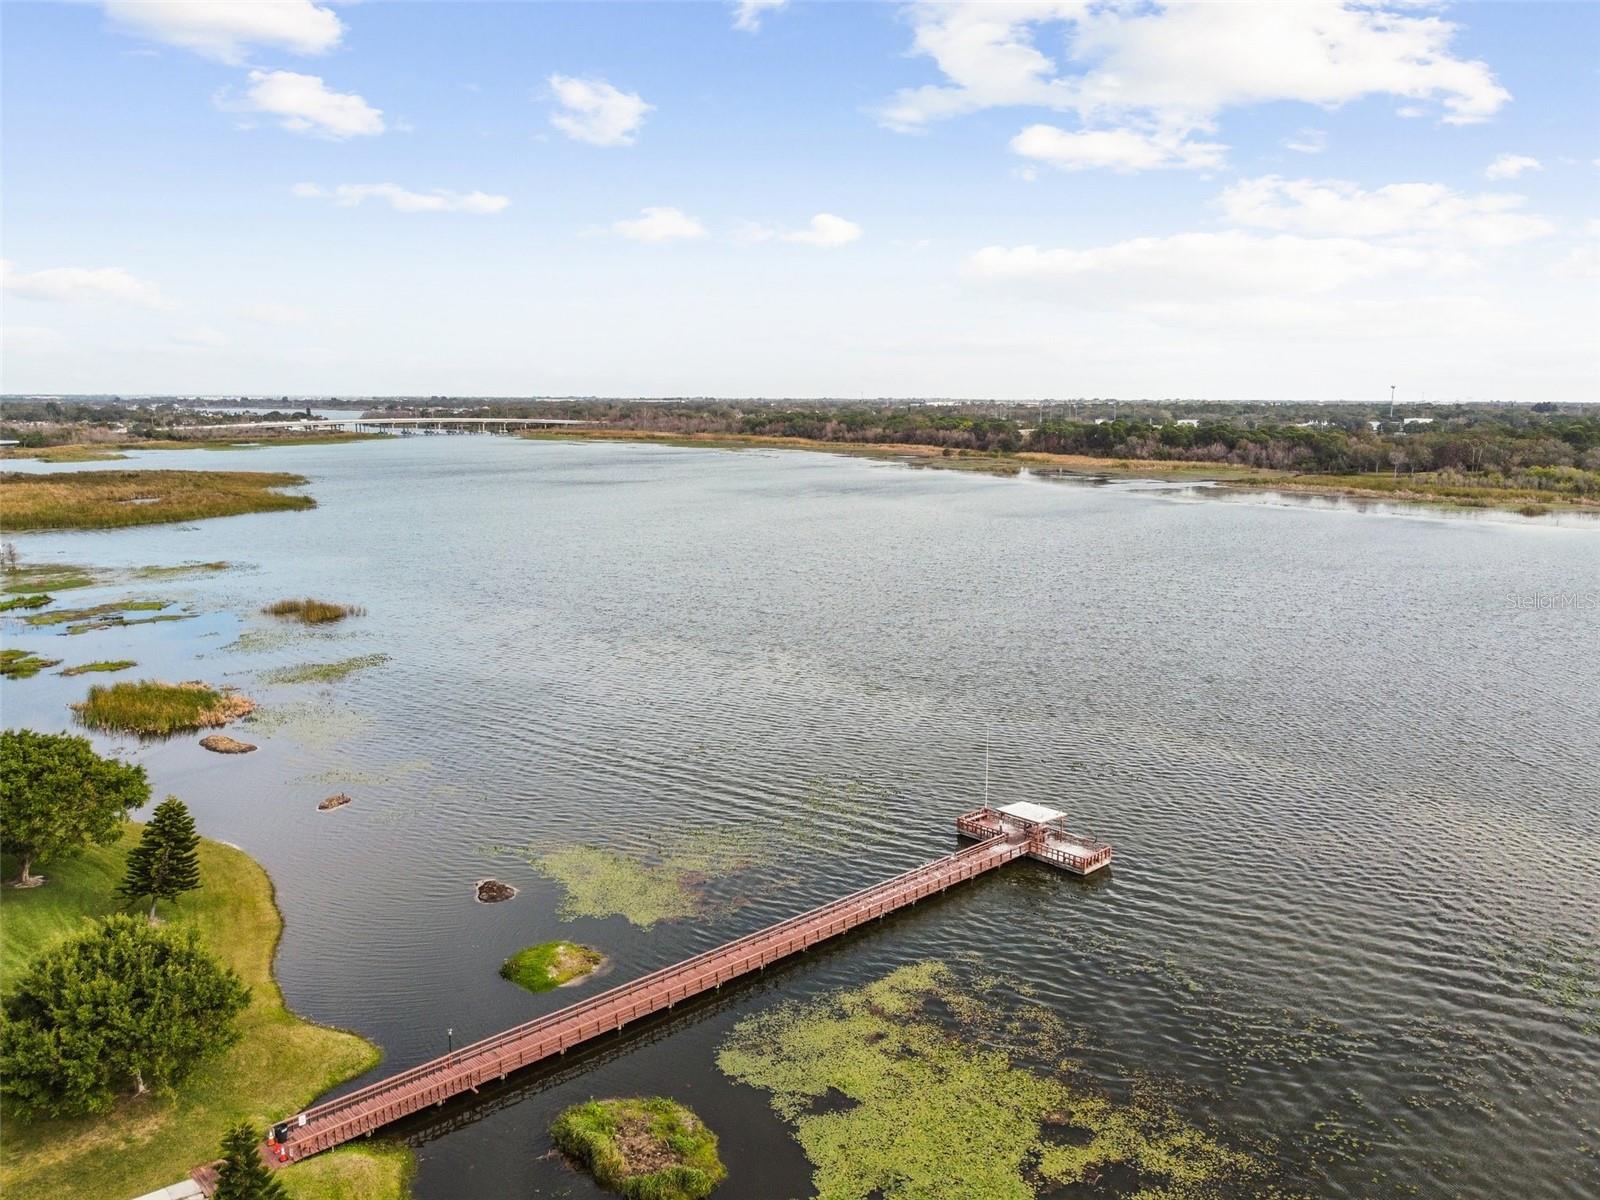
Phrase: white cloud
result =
(1583, 261)
(111, 285)
(348, 195)
(747, 14)
(659, 225)
(1170, 69)
(31, 339)
(201, 337)
(1509, 166)
(1196, 268)
(304, 104)
(226, 31)
(595, 112)
(826, 230)
(1119, 149)
(273, 313)
(1416, 211)
(1307, 141)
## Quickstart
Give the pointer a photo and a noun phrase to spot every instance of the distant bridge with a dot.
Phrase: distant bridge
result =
(395, 425)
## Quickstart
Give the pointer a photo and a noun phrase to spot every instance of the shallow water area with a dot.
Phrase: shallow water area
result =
(1347, 763)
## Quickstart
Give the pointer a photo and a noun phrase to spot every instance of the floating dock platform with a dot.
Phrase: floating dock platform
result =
(1044, 830)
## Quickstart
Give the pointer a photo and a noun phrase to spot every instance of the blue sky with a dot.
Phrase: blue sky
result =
(1291, 200)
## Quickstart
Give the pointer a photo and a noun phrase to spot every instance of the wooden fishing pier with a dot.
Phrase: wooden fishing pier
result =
(1004, 834)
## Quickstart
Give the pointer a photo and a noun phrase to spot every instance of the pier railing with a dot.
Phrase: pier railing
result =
(365, 1109)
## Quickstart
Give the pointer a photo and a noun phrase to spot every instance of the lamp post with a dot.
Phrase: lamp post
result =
(450, 1045)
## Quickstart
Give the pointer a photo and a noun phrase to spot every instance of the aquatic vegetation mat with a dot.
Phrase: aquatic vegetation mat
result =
(331, 672)
(668, 884)
(646, 1149)
(549, 965)
(915, 1087)
(156, 709)
(113, 499)
(23, 664)
(313, 723)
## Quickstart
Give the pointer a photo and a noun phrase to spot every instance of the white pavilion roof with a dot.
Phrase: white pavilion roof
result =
(1023, 810)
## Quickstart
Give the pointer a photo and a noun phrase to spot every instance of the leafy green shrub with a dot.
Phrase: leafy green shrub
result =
(126, 1004)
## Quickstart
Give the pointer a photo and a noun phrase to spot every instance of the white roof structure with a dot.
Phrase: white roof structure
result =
(1038, 814)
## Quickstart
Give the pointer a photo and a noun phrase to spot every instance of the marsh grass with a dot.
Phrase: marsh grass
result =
(324, 672)
(646, 1149)
(549, 965)
(23, 664)
(280, 1063)
(114, 499)
(153, 709)
(309, 611)
(109, 664)
(16, 602)
(948, 1088)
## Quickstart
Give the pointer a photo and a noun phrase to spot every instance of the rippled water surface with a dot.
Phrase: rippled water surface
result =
(1350, 762)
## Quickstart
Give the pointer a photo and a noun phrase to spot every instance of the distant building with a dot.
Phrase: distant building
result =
(1189, 421)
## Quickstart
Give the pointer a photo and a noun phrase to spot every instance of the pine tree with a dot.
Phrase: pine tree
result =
(164, 864)
(245, 1175)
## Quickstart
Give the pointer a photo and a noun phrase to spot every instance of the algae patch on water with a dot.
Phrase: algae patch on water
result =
(331, 672)
(914, 1087)
(666, 884)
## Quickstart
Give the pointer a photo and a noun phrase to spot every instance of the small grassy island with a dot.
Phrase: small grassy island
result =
(313, 612)
(153, 709)
(113, 499)
(550, 965)
(646, 1149)
(279, 1064)
(105, 664)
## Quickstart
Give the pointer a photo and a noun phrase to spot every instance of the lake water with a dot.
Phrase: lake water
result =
(1350, 761)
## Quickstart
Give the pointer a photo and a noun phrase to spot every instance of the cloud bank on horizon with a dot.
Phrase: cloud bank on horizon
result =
(1040, 198)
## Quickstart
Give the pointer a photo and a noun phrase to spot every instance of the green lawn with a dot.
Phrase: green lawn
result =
(280, 1064)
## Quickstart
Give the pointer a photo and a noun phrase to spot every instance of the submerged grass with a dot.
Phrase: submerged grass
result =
(119, 621)
(113, 499)
(153, 709)
(646, 1149)
(602, 881)
(309, 611)
(64, 616)
(108, 664)
(49, 577)
(23, 664)
(279, 1064)
(183, 570)
(324, 672)
(549, 965)
(915, 1087)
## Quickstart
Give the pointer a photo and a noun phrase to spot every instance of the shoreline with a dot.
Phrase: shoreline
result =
(282, 1062)
(1410, 490)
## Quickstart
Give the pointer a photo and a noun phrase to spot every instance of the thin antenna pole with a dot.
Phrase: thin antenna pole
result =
(986, 765)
